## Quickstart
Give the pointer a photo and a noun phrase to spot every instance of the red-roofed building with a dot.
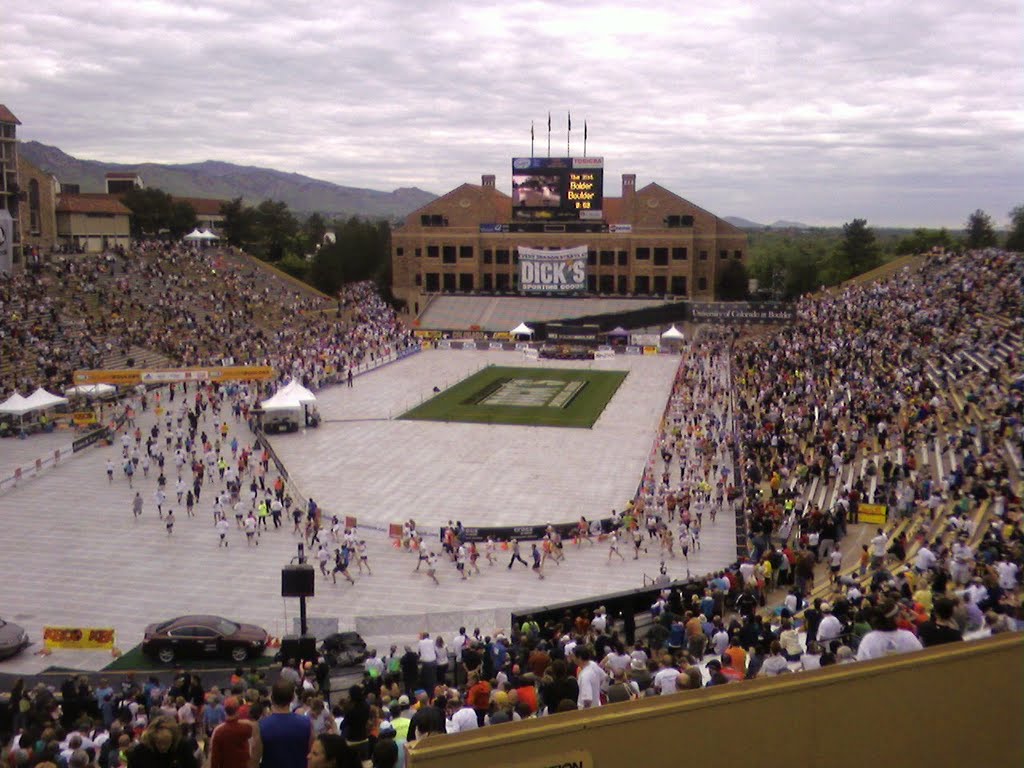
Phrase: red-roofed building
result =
(647, 242)
(207, 211)
(93, 222)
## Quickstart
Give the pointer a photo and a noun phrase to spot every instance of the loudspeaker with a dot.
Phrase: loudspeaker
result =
(298, 647)
(297, 581)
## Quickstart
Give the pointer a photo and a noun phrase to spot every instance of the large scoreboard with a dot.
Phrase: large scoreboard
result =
(557, 188)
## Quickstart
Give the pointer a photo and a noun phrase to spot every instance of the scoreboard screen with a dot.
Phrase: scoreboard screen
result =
(557, 188)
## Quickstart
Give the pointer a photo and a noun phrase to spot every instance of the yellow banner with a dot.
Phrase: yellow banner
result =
(502, 336)
(82, 418)
(125, 376)
(82, 638)
(427, 334)
(871, 513)
(650, 350)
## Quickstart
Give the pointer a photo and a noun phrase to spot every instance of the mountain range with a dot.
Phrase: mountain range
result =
(742, 223)
(226, 181)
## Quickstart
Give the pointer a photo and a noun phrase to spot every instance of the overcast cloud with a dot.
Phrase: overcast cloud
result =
(902, 113)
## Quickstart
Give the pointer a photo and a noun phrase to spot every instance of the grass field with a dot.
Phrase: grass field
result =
(542, 397)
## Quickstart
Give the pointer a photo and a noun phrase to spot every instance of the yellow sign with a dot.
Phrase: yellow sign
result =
(871, 513)
(650, 350)
(126, 376)
(82, 418)
(82, 638)
(502, 336)
(427, 334)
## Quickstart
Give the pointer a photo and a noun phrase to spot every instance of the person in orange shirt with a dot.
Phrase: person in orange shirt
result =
(737, 656)
(478, 696)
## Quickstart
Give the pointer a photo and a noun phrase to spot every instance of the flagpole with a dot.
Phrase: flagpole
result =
(568, 135)
(531, 139)
(584, 138)
(549, 134)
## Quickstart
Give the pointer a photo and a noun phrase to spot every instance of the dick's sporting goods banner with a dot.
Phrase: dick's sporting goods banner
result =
(552, 271)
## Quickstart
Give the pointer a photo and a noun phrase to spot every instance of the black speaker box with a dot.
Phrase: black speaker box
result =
(298, 647)
(297, 581)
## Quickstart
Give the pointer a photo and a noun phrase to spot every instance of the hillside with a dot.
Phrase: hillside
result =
(212, 178)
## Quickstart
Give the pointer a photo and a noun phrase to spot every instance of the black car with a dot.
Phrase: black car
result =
(343, 649)
(203, 636)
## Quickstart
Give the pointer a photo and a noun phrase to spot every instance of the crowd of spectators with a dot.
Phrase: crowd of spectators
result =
(194, 307)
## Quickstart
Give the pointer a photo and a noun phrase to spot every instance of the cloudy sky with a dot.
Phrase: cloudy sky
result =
(902, 113)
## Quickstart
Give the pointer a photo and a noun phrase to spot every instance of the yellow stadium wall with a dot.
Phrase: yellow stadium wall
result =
(955, 705)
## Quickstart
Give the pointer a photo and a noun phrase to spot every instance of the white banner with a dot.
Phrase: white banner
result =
(551, 271)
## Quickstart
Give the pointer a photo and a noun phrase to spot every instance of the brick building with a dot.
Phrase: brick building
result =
(651, 242)
(93, 222)
(37, 212)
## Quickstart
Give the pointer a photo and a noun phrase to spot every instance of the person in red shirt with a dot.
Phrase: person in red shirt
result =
(229, 744)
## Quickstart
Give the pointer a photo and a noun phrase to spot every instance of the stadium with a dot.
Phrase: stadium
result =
(882, 422)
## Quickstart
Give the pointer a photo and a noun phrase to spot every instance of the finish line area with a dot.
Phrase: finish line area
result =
(83, 561)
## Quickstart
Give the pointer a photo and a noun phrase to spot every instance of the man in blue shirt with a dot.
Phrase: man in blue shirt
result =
(284, 737)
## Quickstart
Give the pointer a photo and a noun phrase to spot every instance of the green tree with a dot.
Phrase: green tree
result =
(858, 251)
(276, 229)
(980, 232)
(182, 219)
(1015, 241)
(239, 223)
(733, 282)
(923, 240)
(313, 230)
(362, 252)
(151, 211)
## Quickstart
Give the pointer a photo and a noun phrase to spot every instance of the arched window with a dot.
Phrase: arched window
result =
(33, 207)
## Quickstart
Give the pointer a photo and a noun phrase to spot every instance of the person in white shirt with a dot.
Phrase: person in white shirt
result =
(1007, 574)
(222, 531)
(924, 560)
(589, 680)
(879, 544)
(428, 662)
(462, 717)
(830, 627)
(665, 678)
(600, 621)
(886, 639)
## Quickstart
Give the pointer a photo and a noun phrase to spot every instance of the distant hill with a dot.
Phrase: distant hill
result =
(216, 179)
(742, 223)
(783, 224)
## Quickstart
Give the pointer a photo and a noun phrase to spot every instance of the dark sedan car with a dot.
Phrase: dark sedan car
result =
(12, 639)
(199, 636)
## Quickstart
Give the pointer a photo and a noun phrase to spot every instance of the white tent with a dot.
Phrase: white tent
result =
(91, 390)
(194, 236)
(299, 392)
(16, 405)
(208, 235)
(40, 400)
(282, 401)
(673, 334)
(522, 330)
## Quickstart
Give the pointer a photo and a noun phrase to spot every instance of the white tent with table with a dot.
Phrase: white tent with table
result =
(522, 330)
(15, 405)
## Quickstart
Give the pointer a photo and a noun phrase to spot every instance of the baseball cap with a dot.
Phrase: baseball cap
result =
(403, 700)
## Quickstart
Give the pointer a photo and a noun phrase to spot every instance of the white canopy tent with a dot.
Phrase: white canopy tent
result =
(194, 236)
(40, 400)
(299, 392)
(91, 390)
(208, 235)
(282, 401)
(16, 405)
(673, 334)
(522, 330)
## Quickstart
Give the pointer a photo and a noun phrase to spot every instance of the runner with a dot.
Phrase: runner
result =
(583, 531)
(323, 555)
(364, 559)
(110, 471)
(460, 561)
(170, 521)
(638, 542)
(160, 497)
(250, 530)
(432, 567)
(341, 565)
(535, 553)
(222, 530)
(474, 555)
(516, 555)
(613, 546)
(137, 504)
(489, 549)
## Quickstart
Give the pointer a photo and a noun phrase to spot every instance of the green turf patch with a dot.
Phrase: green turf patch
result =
(540, 397)
(135, 659)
